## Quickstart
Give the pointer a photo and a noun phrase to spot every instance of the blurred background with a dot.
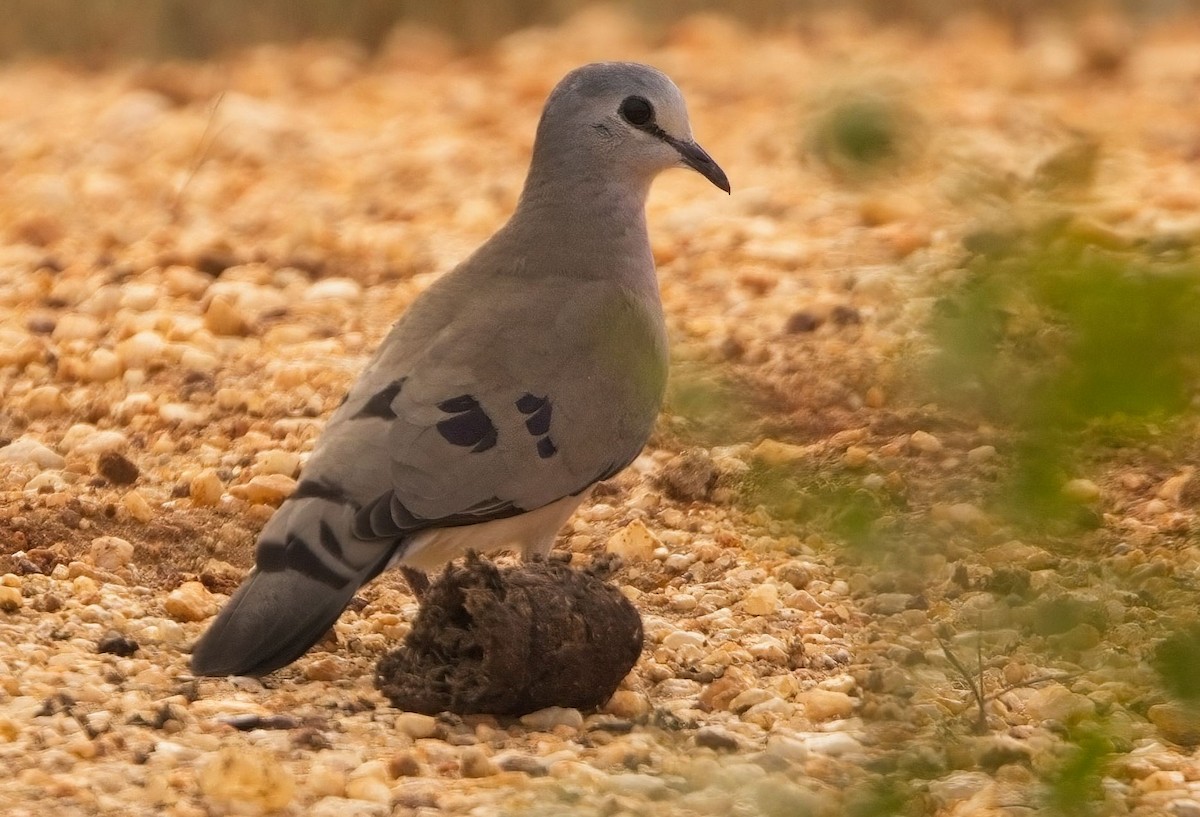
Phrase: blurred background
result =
(202, 28)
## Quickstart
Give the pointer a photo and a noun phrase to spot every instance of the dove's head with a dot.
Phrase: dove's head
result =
(620, 119)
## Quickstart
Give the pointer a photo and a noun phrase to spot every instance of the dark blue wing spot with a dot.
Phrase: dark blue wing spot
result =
(528, 404)
(538, 421)
(470, 425)
(380, 404)
(456, 405)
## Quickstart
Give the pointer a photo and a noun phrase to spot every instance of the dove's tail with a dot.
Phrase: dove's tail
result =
(306, 574)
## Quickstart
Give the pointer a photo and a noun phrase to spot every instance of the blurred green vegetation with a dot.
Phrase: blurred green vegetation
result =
(1177, 660)
(1077, 341)
(92, 29)
(1073, 785)
(864, 134)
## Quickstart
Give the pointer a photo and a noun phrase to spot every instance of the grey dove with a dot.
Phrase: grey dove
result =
(509, 387)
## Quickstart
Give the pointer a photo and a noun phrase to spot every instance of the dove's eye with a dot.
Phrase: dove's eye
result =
(636, 111)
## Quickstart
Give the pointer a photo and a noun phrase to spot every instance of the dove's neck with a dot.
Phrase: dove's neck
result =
(590, 222)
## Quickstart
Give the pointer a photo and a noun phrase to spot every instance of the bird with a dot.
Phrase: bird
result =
(506, 390)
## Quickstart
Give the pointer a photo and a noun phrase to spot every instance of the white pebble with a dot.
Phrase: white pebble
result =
(142, 349)
(546, 719)
(416, 725)
(1082, 491)
(981, 453)
(246, 777)
(679, 638)
(28, 450)
(110, 552)
(191, 601)
(276, 461)
(763, 600)
(339, 289)
(925, 442)
(832, 744)
(633, 543)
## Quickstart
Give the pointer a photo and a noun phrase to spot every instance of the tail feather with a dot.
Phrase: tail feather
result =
(272, 619)
(305, 576)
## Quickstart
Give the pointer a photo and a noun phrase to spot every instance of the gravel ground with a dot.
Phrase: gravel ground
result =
(196, 259)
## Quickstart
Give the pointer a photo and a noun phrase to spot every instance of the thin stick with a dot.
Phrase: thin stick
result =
(201, 153)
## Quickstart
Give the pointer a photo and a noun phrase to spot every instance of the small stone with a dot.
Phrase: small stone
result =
(856, 457)
(714, 737)
(981, 453)
(768, 648)
(546, 719)
(115, 643)
(679, 638)
(102, 365)
(517, 762)
(371, 789)
(10, 599)
(788, 748)
(1184, 808)
(801, 322)
(335, 806)
(137, 506)
(845, 315)
(77, 326)
(276, 461)
(206, 488)
(28, 450)
(1178, 724)
(1083, 491)
(404, 764)
(180, 414)
(958, 786)
(192, 359)
(626, 703)
(797, 574)
(750, 697)
(720, 694)
(324, 669)
(116, 468)
(634, 542)
(416, 725)
(889, 604)
(683, 602)
(265, 489)
(246, 778)
(474, 763)
(1054, 702)
(688, 477)
(110, 552)
(1172, 488)
(44, 401)
(966, 515)
(142, 349)
(642, 786)
(774, 452)
(338, 289)
(925, 442)
(823, 704)
(832, 744)
(763, 600)
(191, 601)
(222, 317)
